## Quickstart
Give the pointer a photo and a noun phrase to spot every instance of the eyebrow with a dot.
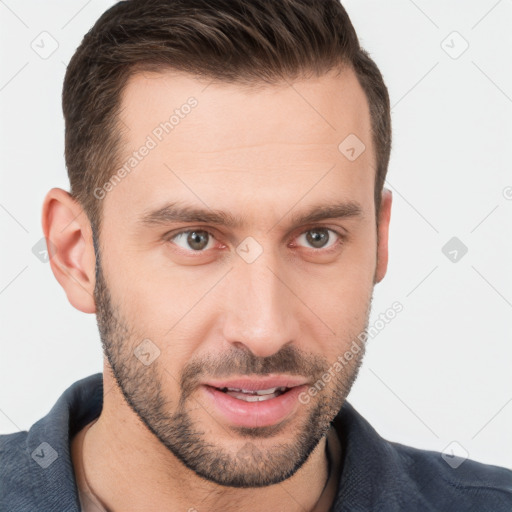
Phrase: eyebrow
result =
(177, 212)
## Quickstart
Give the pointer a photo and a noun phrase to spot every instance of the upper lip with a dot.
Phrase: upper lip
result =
(258, 383)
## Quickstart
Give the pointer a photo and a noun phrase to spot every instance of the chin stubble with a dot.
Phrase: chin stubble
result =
(251, 465)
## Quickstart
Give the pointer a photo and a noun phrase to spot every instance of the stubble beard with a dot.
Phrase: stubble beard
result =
(256, 462)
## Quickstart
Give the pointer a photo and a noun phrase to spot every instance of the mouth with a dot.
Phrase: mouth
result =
(255, 402)
(259, 395)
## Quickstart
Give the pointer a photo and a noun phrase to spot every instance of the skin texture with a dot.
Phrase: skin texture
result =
(264, 156)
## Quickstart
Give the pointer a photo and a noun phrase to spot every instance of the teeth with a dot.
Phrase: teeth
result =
(250, 397)
(266, 391)
(254, 396)
(257, 391)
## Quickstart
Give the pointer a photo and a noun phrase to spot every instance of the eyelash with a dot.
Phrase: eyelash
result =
(170, 236)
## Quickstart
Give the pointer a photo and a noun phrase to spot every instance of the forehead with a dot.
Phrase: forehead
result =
(314, 110)
(184, 138)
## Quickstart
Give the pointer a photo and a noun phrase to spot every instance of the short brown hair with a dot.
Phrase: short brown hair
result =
(250, 42)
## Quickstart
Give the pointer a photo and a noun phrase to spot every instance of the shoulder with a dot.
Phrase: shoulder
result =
(36, 471)
(14, 473)
(449, 481)
(13, 453)
(11, 445)
(384, 475)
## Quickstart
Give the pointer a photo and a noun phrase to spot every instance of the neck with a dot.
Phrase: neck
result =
(120, 454)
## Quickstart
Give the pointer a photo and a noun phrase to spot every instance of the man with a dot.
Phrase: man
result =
(227, 223)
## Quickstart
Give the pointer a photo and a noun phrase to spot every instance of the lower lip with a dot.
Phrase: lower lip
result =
(255, 414)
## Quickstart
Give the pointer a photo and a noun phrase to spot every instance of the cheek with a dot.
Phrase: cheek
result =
(342, 306)
(149, 307)
(340, 296)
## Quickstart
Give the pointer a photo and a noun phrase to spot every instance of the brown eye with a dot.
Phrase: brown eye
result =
(196, 240)
(319, 238)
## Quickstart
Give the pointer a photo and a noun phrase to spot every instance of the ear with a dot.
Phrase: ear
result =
(69, 239)
(383, 235)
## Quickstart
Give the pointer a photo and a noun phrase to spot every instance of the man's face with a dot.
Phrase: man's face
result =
(187, 308)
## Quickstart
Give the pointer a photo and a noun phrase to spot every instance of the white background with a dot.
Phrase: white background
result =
(441, 370)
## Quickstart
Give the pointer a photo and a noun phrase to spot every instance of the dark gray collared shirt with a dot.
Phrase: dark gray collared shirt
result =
(36, 471)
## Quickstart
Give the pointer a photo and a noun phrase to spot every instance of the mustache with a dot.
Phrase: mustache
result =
(288, 361)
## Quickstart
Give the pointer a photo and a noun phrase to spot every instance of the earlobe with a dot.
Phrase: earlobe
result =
(383, 235)
(69, 238)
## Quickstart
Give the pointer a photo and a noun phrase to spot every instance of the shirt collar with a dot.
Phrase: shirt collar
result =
(365, 455)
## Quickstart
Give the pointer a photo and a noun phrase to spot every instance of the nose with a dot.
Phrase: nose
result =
(260, 310)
